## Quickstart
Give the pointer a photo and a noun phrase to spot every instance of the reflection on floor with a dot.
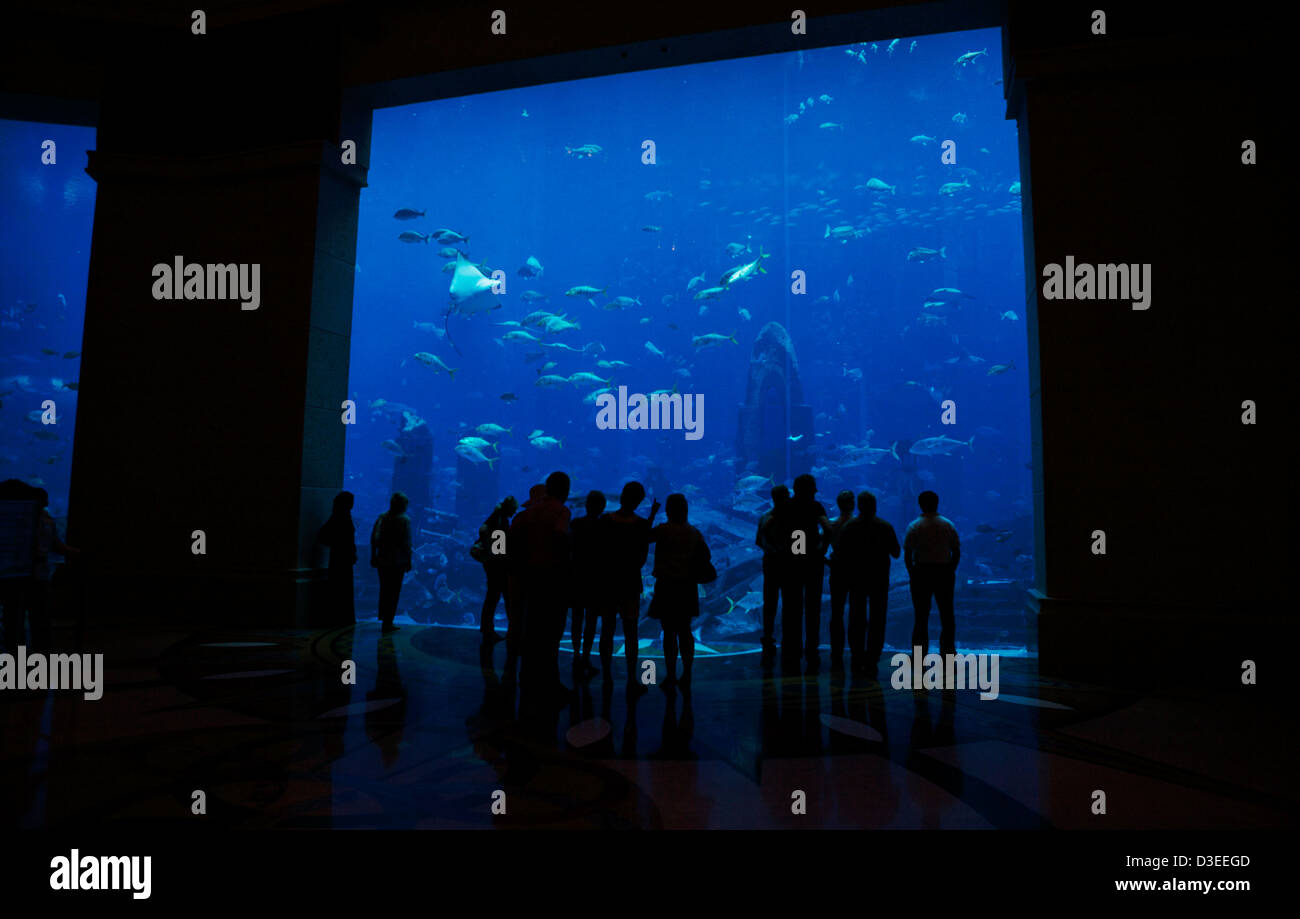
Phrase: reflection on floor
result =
(262, 723)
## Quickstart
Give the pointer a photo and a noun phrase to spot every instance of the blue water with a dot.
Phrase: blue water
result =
(48, 212)
(875, 362)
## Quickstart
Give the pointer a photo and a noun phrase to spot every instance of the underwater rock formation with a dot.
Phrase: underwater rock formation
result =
(774, 410)
(412, 472)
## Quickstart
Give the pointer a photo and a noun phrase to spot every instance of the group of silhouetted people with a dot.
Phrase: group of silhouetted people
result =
(795, 536)
(544, 565)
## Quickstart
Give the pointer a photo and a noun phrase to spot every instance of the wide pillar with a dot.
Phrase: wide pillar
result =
(1137, 414)
(199, 415)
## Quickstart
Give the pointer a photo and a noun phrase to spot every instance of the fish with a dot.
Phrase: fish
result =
(393, 447)
(959, 118)
(998, 369)
(1015, 187)
(831, 126)
(911, 48)
(790, 119)
(546, 443)
(447, 252)
(446, 236)
(410, 236)
(657, 195)
(555, 325)
(650, 228)
(530, 296)
(585, 151)
(694, 282)
(940, 446)
(711, 293)
(922, 254)
(584, 377)
(843, 233)
(622, 303)
(712, 338)
(951, 188)
(474, 455)
(746, 271)
(823, 98)
(733, 250)
(650, 346)
(966, 59)
(795, 438)
(432, 360)
(478, 443)
(470, 289)
(753, 482)
(509, 397)
(612, 365)
(874, 184)
(405, 213)
(584, 290)
(923, 139)
(551, 379)
(1010, 314)
(519, 335)
(531, 268)
(892, 45)
(744, 314)
(428, 327)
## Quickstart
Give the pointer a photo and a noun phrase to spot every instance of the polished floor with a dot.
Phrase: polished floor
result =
(429, 736)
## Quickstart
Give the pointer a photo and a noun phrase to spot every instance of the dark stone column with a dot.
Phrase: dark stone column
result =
(198, 415)
(1137, 414)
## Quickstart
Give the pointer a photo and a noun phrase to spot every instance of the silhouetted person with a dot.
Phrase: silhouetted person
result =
(38, 596)
(540, 534)
(680, 554)
(627, 539)
(771, 574)
(862, 556)
(517, 602)
(838, 578)
(931, 551)
(339, 535)
(495, 566)
(802, 564)
(390, 553)
(590, 597)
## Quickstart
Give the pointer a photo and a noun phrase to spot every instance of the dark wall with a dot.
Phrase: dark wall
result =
(224, 148)
(1132, 153)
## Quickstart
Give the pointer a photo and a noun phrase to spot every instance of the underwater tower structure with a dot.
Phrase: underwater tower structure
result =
(412, 472)
(774, 409)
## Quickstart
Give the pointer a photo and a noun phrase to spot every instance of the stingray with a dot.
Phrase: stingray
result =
(471, 292)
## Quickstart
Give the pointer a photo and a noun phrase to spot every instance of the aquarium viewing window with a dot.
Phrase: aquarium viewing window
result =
(49, 206)
(709, 279)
